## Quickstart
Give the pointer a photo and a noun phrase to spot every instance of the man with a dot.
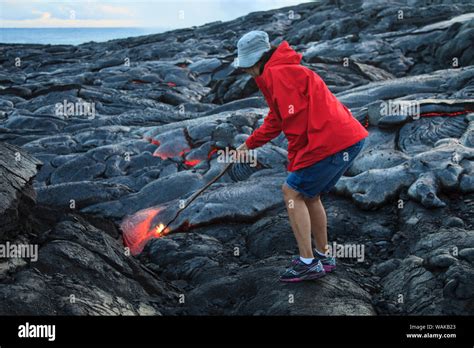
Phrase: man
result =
(323, 141)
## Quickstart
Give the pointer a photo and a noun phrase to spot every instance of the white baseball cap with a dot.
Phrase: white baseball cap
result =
(250, 48)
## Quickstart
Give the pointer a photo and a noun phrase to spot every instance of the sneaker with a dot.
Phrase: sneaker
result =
(299, 271)
(329, 262)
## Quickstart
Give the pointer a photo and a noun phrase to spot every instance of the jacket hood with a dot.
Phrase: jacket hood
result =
(284, 54)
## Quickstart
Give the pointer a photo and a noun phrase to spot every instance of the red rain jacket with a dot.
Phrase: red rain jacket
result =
(315, 123)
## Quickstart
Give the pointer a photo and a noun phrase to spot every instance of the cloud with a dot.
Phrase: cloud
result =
(47, 21)
(44, 16)
(48, 14)
(115, 10)
(127, 13)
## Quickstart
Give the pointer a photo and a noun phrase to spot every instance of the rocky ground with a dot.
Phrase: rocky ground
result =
(80, 184)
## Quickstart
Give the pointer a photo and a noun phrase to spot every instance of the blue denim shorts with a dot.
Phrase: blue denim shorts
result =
(322, 176)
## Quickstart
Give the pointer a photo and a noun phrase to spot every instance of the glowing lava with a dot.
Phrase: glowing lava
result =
(213, 151)
(138, 230)
(192, 163)
(152, 141)
(170, 154)
(160, 230)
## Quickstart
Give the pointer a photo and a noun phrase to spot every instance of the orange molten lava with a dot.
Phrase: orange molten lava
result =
(165, 155)
(213, 151)
(192, 163)
(153, 141)
(160, 230)
(162, 155)
(138, 230)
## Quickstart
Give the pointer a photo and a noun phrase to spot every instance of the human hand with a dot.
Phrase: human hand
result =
(242, 150)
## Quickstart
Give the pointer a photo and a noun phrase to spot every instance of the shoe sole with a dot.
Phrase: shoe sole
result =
(297, 280)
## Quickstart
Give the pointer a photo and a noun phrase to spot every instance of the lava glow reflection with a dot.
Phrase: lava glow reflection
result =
(138, 229)
(160, 230)
(192, 163)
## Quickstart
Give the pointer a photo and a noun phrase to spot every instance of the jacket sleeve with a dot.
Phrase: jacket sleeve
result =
(269, 130)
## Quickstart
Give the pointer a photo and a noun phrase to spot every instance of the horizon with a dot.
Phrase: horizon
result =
(83, 28)
(73, 36)
(177, 14)
(76, 22)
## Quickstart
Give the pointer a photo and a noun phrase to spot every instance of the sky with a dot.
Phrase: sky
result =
(170, 14)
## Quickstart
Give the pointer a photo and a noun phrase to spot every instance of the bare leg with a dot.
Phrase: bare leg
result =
(299, 220)
(318, 218)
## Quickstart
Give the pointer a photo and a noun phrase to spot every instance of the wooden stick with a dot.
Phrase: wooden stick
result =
(197, 193)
